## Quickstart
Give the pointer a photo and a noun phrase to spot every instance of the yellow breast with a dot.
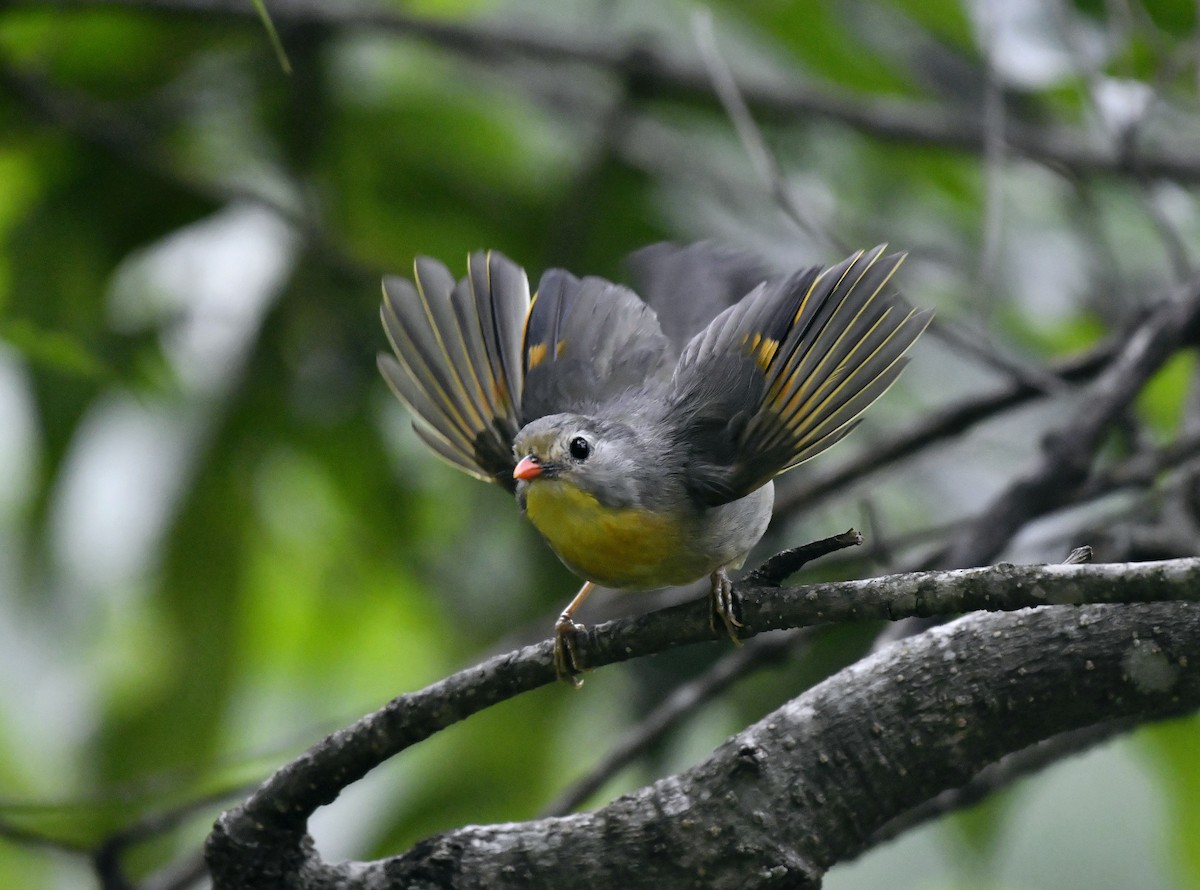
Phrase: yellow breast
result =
(621, 547)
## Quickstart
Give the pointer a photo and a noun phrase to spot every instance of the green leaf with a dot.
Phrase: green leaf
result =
(979, 830)
(1162, 402)
(826, 38)
(1172, 748)
(54, 349)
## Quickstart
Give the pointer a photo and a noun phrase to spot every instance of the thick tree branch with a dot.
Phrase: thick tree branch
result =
(809, 785)
(267, 832)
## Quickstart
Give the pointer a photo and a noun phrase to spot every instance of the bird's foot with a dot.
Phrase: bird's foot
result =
(723, 606)
(566, 650)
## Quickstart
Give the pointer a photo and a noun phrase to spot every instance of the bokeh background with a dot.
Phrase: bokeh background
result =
(219, 538)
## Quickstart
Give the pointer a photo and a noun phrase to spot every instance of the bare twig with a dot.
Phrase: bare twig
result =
(980, 347)
(1123, 135)
(779, 567)
(994, 124)
(1079, 556)
(730, 96)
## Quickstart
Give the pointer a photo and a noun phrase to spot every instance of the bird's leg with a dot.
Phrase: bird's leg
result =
(566, 652)
(723, 605)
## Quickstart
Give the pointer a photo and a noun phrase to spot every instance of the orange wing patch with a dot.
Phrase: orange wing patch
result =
(761, 349)
(535, 355)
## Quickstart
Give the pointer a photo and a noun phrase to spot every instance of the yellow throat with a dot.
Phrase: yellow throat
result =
(620, 547)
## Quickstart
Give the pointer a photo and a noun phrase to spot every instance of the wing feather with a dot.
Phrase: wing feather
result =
(404, 324)
(799, 359)
(456, 359)
(587, 341)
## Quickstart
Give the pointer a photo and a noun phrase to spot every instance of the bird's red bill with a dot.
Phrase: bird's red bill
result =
(527, 468)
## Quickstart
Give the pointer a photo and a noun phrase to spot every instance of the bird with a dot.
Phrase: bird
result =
(640, 434)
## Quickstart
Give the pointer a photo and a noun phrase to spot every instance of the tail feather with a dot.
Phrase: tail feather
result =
(687, 286)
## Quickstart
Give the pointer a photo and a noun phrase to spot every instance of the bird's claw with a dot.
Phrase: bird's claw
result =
(566, 650)
(723, 607)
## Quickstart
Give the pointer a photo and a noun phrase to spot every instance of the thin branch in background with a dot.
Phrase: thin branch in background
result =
(883, 546)
(1002, 774)
(1123, 134)
(977, 345)
(1102, 266)
(1138, 471)
(684, 702)
(572, 220)
(28, 837)
(154, 825)
(1175, 246)
(107, 855)
(891, 119)
(1142, 468)
(135, 145)
(994, 122)
(804, 492)
(273, 35)
(1069, 451)
(730, 96)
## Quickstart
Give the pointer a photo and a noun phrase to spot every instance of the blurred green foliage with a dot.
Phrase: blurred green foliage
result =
(220, 539)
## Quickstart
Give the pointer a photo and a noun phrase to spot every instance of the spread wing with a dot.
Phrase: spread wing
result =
(456, 359)
(478, 359)
(587, 341)
(784, 374)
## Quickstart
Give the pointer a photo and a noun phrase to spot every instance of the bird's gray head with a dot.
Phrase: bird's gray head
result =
(601, 457)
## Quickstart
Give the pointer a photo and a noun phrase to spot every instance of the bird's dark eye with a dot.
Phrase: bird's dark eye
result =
(580, 448)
